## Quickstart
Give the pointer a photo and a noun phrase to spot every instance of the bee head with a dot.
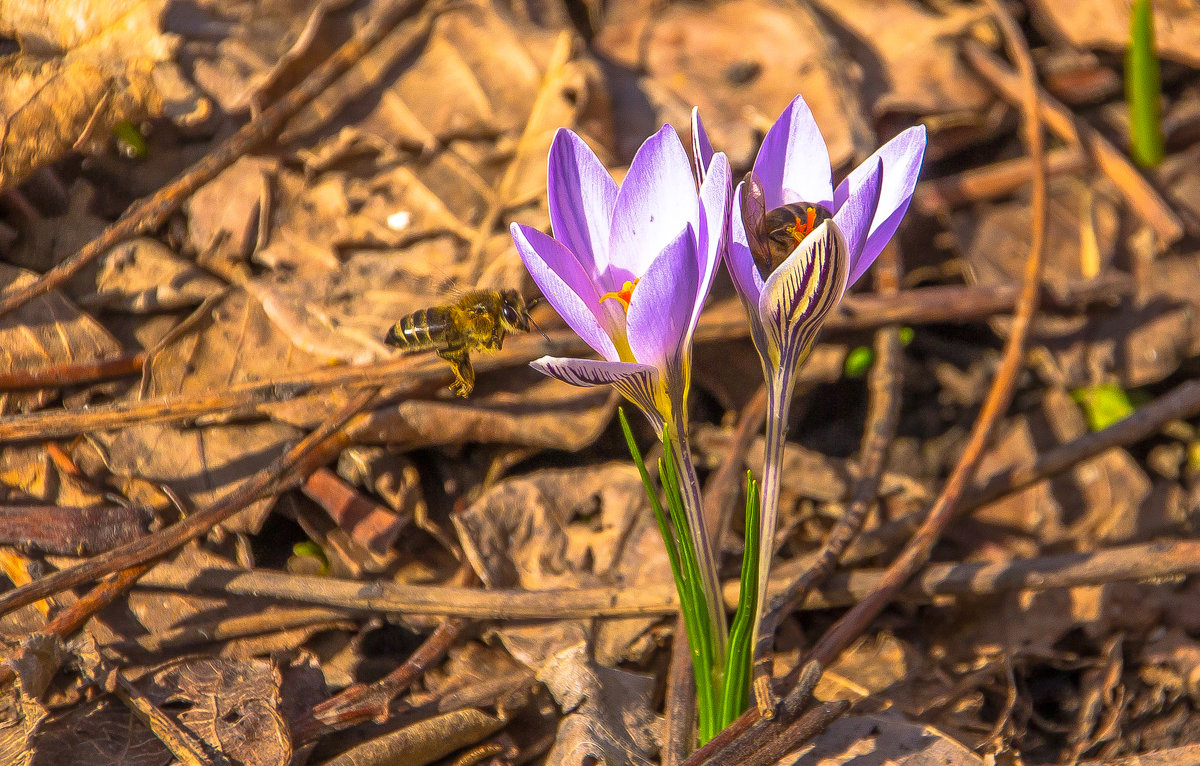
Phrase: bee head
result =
(513, 312)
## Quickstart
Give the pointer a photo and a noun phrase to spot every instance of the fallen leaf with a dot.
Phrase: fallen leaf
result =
(232, 705)
(82, 69)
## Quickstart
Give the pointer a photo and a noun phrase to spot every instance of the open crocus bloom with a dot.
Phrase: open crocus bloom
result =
(792, 168)
(795, 245)
(629, 267)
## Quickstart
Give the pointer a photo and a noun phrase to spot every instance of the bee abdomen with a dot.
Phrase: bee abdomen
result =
(420, 330)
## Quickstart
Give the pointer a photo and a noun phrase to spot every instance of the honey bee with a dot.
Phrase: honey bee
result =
(774, 235)
(478, 320)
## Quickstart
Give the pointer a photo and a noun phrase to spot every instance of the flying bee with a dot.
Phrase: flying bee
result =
(774, 235)
(478, 320)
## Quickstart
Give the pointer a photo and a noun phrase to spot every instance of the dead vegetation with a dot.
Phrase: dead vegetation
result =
(238, 530)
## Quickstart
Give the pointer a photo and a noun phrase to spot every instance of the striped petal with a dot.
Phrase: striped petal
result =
(800, 293)
(639, 383)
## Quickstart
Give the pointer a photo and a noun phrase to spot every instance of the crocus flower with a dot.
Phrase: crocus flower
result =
(796, 243)
(628, 269)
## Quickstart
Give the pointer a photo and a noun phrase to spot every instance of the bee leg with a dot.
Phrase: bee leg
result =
(464, 373)
(497, 341)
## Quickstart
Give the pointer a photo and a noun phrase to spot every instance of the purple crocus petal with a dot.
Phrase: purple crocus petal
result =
(657, 199)
(662, 305)
(793, 162)
(800, 293)
(901, 159)
(581, 195)
(702, 151)
(739, 258)
(714, 208)
(855, 216)
(638, 382)
(567, 288)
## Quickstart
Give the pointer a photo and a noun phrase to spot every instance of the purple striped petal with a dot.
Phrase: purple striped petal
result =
(581, 196)
(661, 310)
(702, 151)
(793, 162)
(901, 159)
(637, 382)
(657, 199)
(800, 293)
(855, 216)
(714, 209)
(568, 289)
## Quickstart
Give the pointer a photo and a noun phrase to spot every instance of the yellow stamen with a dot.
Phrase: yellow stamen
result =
(624, 295)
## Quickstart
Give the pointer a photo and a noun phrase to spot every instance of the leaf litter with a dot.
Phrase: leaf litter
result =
(392, 192)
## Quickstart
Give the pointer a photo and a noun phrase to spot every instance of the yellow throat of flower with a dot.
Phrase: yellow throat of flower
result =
(623, 297)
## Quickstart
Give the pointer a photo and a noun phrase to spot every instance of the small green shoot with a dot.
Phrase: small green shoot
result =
(858, 362)
(313, 555)
(1106, 404)
(1143, 87)
(130, 141)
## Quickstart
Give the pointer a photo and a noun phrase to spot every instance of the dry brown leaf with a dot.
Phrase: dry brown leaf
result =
(565, 529)
(698, 55)
(83, 67)
(100, 733)
(232, 705)
(1105, 499)
(144, 276)
(883, 739)
(20, 719)
(47, 330)
(1142, 342)
(228, 341)
(1105, 24)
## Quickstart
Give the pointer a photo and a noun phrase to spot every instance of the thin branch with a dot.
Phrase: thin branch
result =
(409, 376)
(360, 703)
(151, 547)
(1130, 562)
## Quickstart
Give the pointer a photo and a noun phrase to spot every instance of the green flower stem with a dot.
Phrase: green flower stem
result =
(779, 402)
(700, 634)
(685, 568)
(689, 487)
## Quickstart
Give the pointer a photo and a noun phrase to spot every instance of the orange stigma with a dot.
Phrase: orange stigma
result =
(802, 227)
(624, 295)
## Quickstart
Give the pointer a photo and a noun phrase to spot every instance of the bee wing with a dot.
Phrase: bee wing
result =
(754, 218)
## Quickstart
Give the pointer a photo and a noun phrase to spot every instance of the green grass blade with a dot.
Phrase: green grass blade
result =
(664, 527)
(736, 691)
(1143, 87)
